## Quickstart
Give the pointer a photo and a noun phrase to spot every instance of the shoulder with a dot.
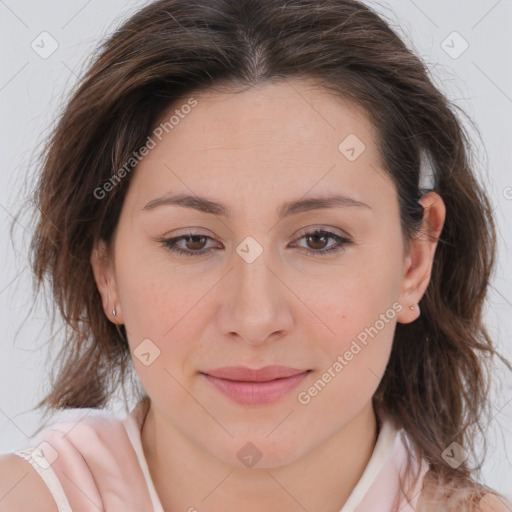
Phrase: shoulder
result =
(79, 428)
(21, 487)
(77, 438)
(462, 497)
(491, 503)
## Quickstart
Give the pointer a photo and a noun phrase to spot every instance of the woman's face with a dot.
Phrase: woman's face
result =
(256, 286)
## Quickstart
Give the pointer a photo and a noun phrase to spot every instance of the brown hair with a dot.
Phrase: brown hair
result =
(435, 386)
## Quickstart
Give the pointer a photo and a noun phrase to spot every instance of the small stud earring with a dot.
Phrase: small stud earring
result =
(114, 313)
(412, 306)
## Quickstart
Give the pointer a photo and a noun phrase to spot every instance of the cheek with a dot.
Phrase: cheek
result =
(361, 302)
(353, 360)
(149, 305)
(360, 308)
(163, 311)
(152, 297)
(159, 332)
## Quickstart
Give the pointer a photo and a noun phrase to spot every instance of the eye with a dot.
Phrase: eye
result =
(318, 239)
(194, 241)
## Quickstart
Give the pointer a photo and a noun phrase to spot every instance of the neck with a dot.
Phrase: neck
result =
(188, 478)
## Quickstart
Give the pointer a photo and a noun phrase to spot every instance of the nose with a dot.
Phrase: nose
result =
(257, 303)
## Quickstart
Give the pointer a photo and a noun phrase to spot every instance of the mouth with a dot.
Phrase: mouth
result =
(255, 386)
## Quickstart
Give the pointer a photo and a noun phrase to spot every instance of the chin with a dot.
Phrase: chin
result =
(260, 452)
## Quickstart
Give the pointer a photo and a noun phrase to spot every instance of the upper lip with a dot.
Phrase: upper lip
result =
(243, 373)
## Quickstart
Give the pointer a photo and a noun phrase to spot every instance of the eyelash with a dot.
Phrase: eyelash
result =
(170, 243)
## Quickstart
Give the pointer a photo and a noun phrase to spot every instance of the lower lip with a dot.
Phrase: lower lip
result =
(254, 393)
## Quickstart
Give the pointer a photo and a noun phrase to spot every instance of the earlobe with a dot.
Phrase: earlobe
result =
(103, 270)
(418, 263)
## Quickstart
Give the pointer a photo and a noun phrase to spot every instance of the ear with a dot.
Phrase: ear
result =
(418, 263)
(104, 275)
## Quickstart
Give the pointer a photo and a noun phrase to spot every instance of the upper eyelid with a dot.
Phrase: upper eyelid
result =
(327, 229)
(302, 233)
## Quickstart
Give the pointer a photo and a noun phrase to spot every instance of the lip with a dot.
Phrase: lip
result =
(255, 386)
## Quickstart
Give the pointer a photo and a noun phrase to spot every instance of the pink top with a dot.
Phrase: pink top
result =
(92, 460)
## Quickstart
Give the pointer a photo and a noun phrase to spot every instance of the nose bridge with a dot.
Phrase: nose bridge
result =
(257, 298)
(255, 285)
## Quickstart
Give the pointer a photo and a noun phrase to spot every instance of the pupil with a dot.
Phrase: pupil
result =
(317, 237)
(195, 239)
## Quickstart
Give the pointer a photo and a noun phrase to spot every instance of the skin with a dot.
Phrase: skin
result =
(254, 151)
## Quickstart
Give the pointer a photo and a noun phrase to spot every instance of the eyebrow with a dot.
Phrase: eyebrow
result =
(203, 204)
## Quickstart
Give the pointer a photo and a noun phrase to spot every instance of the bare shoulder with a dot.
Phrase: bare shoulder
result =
(491, 503)
(22, 488)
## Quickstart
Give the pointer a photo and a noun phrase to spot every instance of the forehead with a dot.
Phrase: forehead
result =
(288, 114)
(290, 136)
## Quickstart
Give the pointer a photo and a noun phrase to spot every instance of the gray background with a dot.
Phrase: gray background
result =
(31, 91)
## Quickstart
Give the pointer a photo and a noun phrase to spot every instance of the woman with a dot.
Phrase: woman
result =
(267, 208)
